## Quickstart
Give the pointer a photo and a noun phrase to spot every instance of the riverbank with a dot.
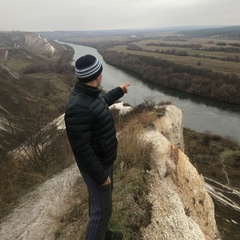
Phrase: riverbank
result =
(201, 82)
(199, 114)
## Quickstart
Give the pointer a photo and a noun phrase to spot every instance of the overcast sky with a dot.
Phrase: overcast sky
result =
(77, 15)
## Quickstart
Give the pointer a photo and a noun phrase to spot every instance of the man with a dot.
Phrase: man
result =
(92, 136)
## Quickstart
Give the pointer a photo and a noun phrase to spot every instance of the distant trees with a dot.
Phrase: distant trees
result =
(186, 45)
(222, 49)
(221, 43)
(39, 65)
(36, 68)
(200, 81)
(63, 64)
(178, 50)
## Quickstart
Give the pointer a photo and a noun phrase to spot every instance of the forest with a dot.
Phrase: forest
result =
(198, 81)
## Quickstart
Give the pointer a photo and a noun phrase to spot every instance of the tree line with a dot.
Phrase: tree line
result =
(184, 53)
(199, 81)
(221, 46)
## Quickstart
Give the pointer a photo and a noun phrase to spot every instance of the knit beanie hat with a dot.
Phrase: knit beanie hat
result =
(87, 68)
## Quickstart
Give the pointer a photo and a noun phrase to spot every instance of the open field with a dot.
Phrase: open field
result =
(194, 52)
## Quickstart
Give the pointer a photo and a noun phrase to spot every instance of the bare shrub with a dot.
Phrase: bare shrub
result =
(206, 138)
(35, 68)
(133, 150)
(227, 141)
(142, 111)
(231, 143)
(38, 154)
(37, 145)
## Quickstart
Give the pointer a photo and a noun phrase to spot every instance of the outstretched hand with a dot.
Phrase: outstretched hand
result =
(124, 87)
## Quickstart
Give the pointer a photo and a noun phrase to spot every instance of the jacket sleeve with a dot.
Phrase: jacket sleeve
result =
(78, 123)
(113, 95)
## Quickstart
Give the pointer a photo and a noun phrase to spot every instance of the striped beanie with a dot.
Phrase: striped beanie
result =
(87, 68)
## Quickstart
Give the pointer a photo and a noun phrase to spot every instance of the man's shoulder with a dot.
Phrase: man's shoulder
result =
(82, 102)
(80, 99)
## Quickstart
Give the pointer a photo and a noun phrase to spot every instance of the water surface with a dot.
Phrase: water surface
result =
(199, 114)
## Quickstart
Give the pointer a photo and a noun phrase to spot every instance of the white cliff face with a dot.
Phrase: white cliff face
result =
(182, 207)
(171, 125)
(36, 43)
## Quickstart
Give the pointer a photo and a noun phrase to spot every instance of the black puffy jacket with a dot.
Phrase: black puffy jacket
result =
(90, 129)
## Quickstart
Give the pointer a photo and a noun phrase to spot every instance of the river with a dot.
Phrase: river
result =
(199, 114)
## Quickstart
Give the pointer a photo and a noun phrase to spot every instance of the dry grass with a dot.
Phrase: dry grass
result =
(131, 209)
(20, 175)
(25, 97)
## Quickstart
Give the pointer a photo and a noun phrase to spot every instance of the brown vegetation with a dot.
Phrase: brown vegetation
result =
(38, 154)
(217, 158)
(209, 153)
(198, 81)
(34, 89)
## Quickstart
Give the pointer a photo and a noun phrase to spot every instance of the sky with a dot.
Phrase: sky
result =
(87, 15)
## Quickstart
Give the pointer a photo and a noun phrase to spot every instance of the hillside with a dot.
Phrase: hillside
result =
(32, 67)
(35, 79)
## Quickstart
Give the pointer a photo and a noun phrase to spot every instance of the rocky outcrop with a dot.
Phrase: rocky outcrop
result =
(181, 205)
(171, 125)
(38, 44)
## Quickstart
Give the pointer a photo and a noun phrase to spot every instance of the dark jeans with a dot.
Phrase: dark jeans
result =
(100, 206)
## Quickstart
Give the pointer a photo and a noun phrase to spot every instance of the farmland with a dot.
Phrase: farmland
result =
(214, 53)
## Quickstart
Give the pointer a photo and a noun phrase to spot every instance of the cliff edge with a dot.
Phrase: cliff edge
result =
(182, 207)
